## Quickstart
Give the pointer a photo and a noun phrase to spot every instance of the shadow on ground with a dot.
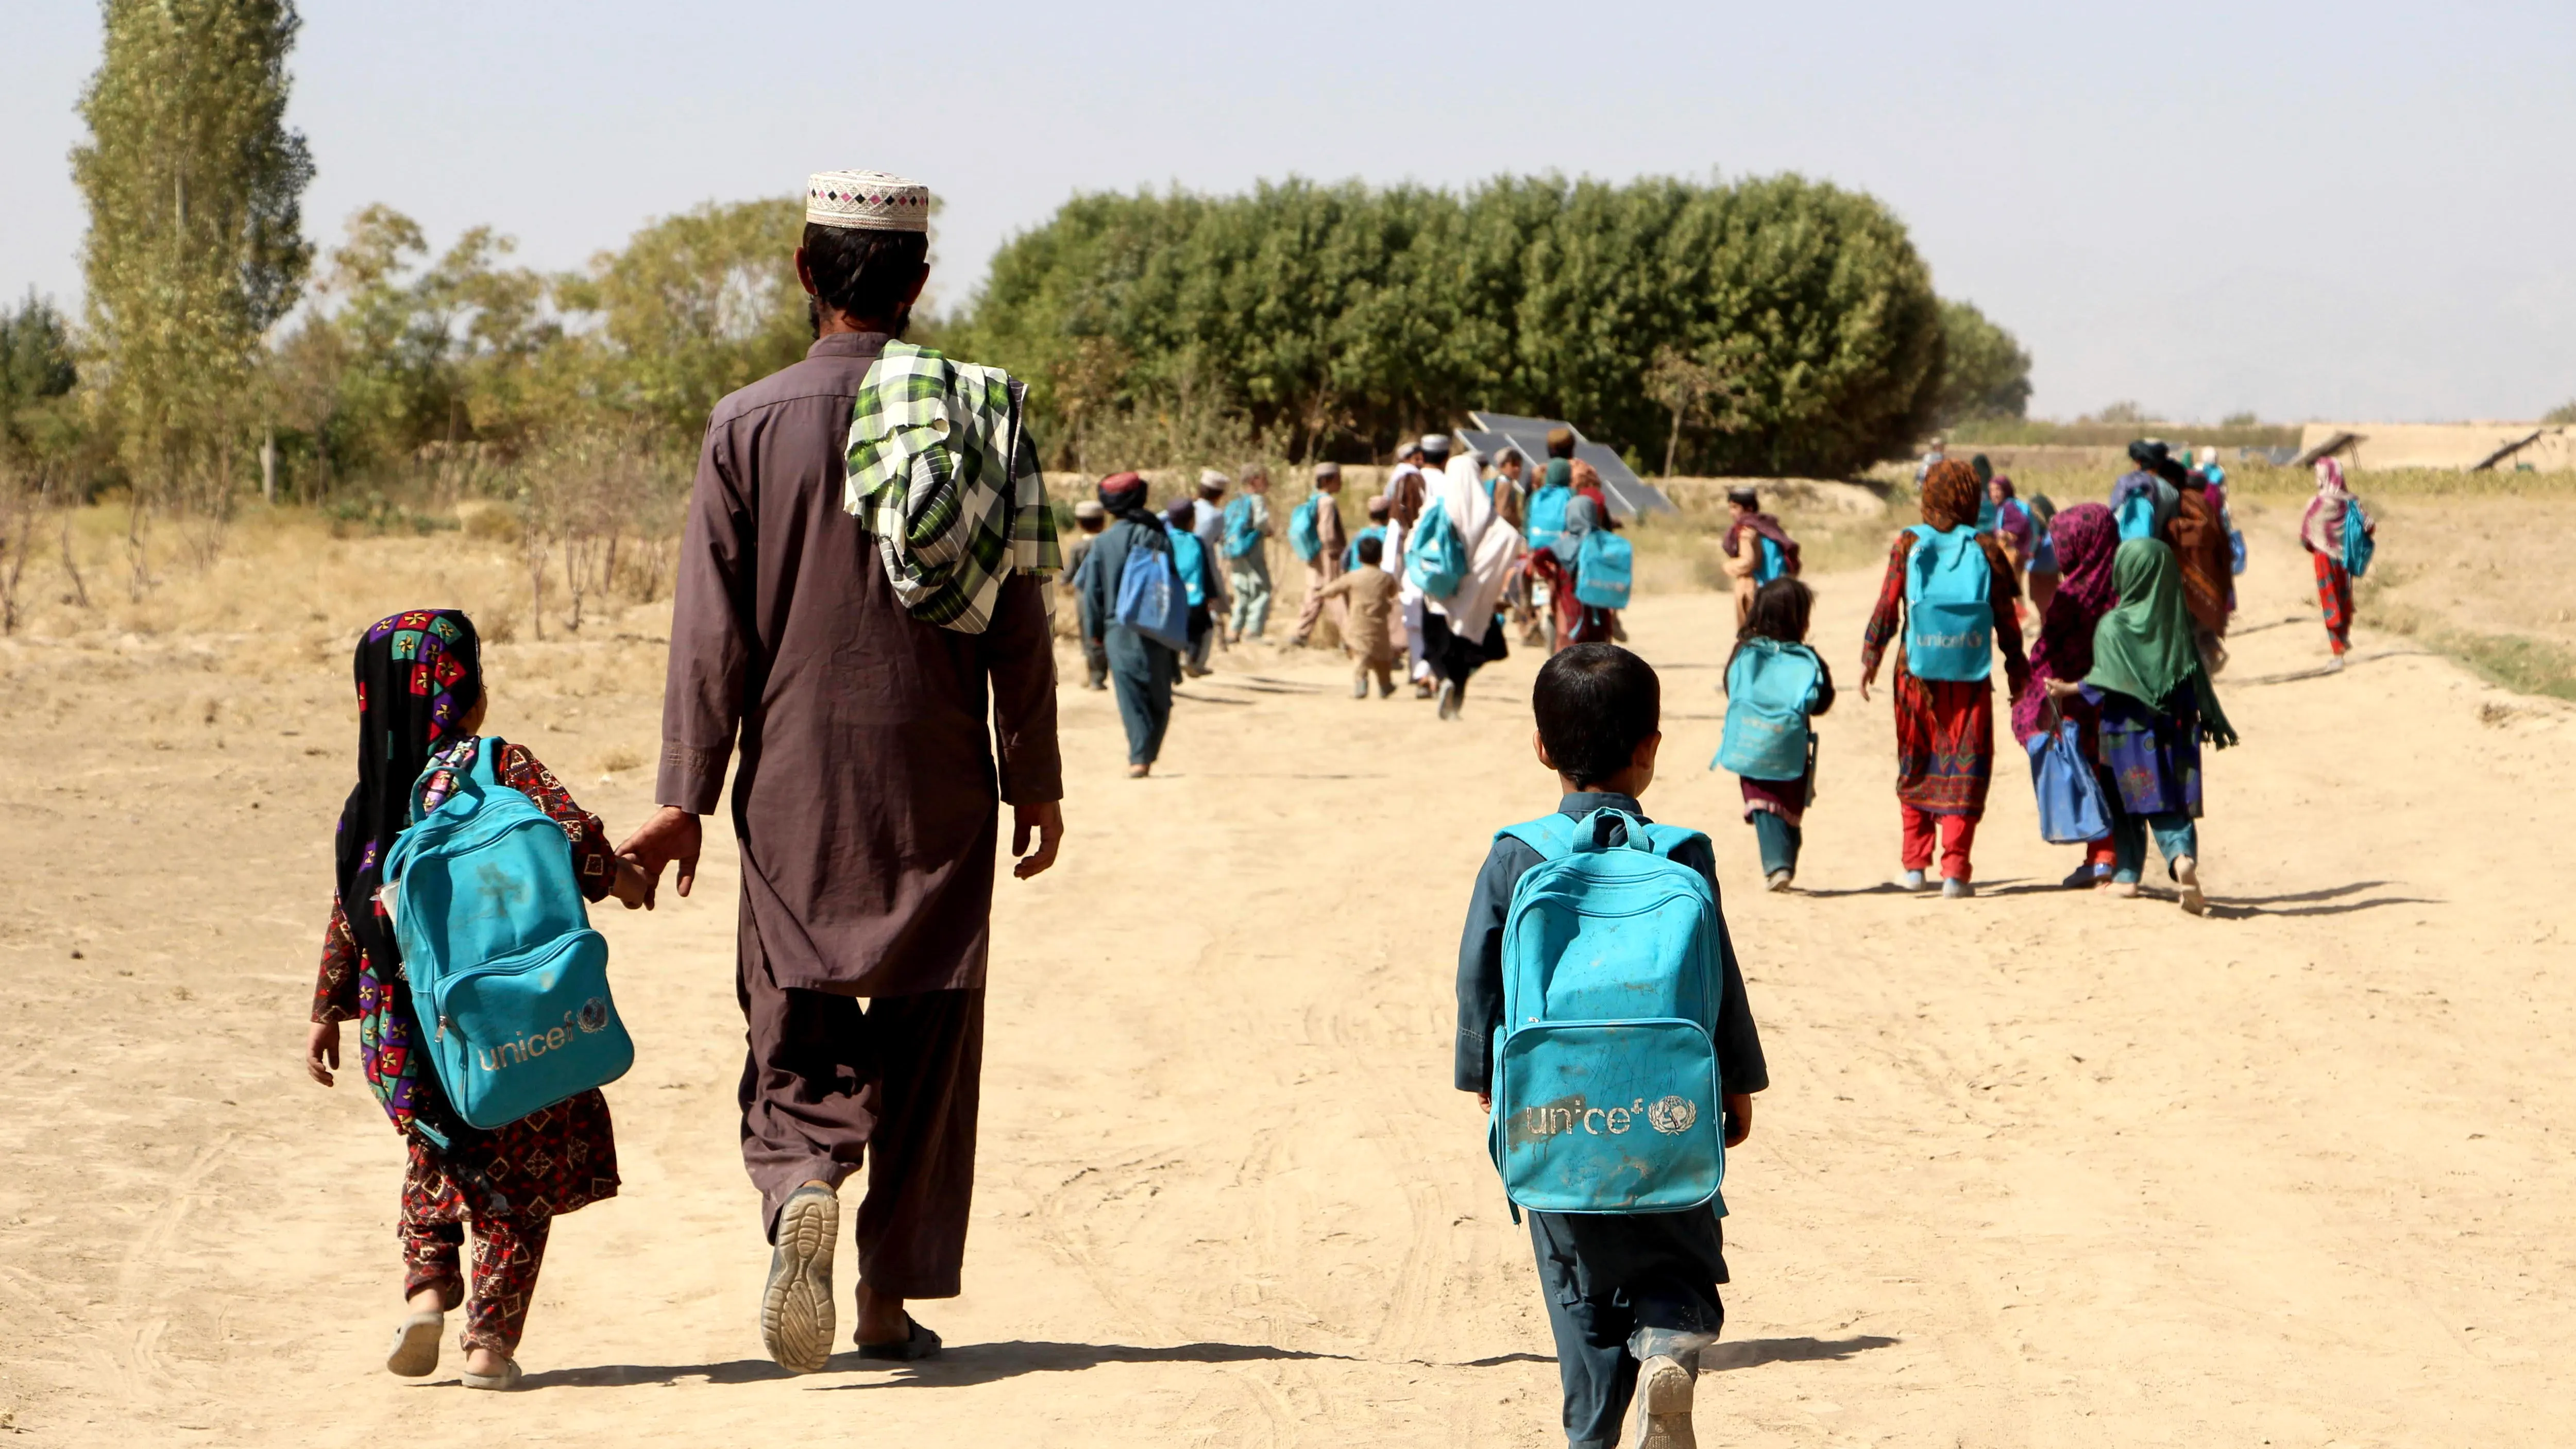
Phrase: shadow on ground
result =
(961, 1365)
(1755, 1352)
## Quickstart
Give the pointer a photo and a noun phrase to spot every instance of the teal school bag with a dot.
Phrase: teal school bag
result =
(1305, 535)
(1602, 570)
(1769, 689)
(1241, 536)
(2357, 543)
(1547, 514)
(1770, 564)
(1606, 1086)
(1435, 557)
(1949, 621)
(508, 980)
(1189, 558)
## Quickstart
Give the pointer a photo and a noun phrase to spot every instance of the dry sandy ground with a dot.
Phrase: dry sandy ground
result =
(2036, 1169)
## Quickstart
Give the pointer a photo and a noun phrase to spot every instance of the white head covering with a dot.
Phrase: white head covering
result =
(1211, 478)
(1492, 545)
(867, 201)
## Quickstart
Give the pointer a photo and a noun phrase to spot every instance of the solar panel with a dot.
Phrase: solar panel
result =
(1629, 494)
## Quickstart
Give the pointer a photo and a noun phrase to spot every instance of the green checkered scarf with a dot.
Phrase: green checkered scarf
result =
(943, 477)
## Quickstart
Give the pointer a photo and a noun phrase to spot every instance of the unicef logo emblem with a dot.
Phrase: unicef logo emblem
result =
(594, 1017)
(1672, 1116)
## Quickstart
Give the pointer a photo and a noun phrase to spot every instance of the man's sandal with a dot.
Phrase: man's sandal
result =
(917, 1343)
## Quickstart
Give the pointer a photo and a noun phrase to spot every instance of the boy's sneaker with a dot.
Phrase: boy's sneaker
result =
(1911, 880)
(1955, 889)
(1664, 1405)
(1359, 689)
(796, 1308)
(1448, 699)
(1779, 880)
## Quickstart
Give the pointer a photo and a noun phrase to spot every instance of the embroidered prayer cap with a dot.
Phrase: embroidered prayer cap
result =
(1435, 444)
(1089, 508)
(1212, 481)
(1328, 470)
(867, 201)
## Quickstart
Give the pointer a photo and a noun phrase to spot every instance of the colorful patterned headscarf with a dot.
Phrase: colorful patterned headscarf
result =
(1950, 495)
(418, 673)
(2087, 540)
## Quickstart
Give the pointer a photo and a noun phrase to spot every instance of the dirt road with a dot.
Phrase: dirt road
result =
(2036, 1169)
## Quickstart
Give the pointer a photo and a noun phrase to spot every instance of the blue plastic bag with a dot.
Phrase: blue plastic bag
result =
(2071, 807)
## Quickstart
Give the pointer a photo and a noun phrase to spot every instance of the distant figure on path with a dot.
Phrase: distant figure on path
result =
(1775, 687)
(1089, 518)
(1194, 560)
(2321, 532)
(1206, 523)
(2042, 568)
(2156, 705)
(1757, 550)
(1245, 540)
(2198, 535)
(2085, 541)
(1459, 633)
(1142, 669)
(1952, 593)
(1367, 632)
(1332, 537)
(877, 749)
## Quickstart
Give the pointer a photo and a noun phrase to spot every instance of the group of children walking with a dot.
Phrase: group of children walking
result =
(2113, 702)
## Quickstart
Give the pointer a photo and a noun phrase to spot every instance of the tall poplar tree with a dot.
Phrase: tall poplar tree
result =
(196, 240)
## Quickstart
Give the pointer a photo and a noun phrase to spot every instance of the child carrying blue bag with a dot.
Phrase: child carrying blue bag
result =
(1775, 687)
(459, 944)
(1602, 1021)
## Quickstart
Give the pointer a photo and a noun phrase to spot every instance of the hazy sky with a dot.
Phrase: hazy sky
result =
(2351, 210)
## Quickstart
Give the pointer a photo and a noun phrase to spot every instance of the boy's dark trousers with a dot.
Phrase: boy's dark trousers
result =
(1618, 1283)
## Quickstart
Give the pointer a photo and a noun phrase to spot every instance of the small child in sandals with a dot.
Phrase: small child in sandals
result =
(421, 702)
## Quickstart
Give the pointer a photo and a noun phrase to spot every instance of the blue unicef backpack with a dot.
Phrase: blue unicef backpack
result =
(1770, 686)
(1151, 600)
(508, 980)
(1435, 557)
(1949, 620)
(1602, 568)
(1547, 514)
(1606, 1085)
(1242, 536)
(1305, 535)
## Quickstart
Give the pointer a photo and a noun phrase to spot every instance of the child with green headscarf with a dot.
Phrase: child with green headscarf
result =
(2157, 707)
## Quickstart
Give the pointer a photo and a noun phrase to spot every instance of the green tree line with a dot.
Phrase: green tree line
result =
(1771, 325)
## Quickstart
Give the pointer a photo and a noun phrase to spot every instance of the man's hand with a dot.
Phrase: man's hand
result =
(322, 1050)
(1047, 819)
(671, 834)
(1865, 681)
(1739, 1118)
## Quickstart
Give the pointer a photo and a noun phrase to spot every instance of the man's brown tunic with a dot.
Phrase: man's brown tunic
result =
(866, 799)
(866, 803)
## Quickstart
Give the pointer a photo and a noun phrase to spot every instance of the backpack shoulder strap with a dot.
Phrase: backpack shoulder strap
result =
(1665, 839)
(1551, 835)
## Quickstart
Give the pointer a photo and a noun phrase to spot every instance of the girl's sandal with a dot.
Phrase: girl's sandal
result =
(415, 1351)
(507, 1378)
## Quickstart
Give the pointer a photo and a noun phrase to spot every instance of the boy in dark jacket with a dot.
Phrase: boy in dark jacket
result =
(1630, 1296)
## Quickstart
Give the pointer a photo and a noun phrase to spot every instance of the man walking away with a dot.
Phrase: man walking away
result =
(1090, 518)
(1330, 539)
(1246, 534)
(884, 714)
